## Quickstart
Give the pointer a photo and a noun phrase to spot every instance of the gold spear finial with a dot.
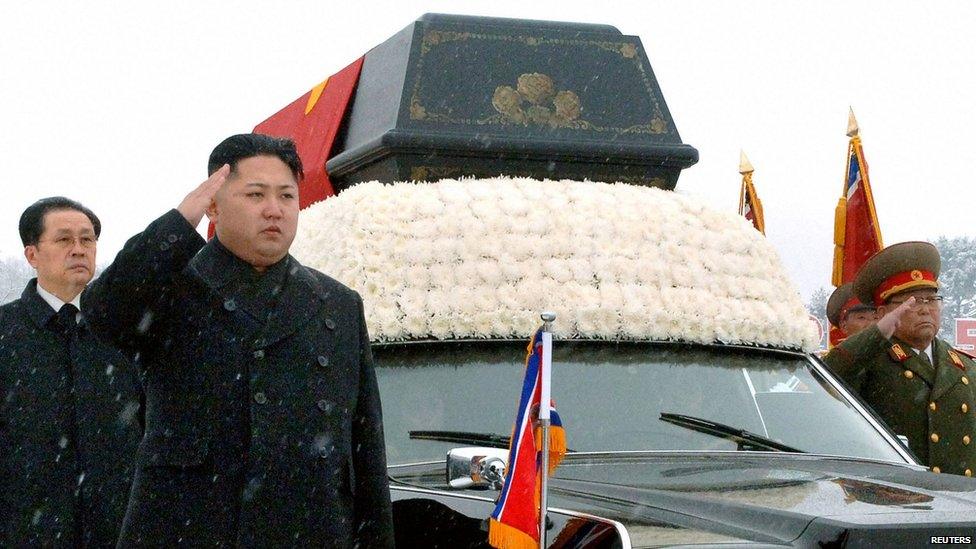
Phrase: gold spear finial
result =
(852, 128)
(744, 165)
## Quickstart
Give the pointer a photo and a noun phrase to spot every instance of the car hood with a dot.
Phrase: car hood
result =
(769, 498)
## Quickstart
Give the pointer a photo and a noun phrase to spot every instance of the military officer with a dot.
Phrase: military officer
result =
(920, 385)
(845, 311)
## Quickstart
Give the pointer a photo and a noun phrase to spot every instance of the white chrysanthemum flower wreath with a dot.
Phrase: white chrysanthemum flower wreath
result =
(481, 258)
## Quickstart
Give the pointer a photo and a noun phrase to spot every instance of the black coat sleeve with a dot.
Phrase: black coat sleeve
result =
(120, 305)
(374, 518)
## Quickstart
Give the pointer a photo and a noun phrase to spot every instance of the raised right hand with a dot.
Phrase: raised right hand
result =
(195, 205)
(890, 321)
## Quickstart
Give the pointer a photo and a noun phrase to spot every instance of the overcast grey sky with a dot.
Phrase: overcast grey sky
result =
(119, 104)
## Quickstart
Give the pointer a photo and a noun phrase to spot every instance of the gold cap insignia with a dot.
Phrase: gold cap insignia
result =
(917, 275)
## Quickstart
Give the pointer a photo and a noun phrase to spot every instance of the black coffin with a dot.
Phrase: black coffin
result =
(453, 96)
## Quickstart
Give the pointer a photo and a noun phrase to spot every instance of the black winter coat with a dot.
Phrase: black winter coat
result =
(69, 428)
(258, 433)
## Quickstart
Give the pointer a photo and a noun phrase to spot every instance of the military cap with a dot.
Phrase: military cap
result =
(842, 302)
(897, 268)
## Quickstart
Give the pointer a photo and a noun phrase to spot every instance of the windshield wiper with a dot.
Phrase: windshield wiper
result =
(489, 440)
(745, 439)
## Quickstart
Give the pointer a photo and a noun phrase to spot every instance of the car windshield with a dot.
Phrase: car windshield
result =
(611, 397)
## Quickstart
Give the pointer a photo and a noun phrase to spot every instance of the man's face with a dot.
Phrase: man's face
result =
(64, 256)
(920, 324)
(857, 321)
(255, 213)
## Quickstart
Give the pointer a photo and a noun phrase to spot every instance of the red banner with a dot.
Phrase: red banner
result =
(312, 121)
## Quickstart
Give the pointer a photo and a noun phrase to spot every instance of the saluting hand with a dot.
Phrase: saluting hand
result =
(196, 203)
(890, 321)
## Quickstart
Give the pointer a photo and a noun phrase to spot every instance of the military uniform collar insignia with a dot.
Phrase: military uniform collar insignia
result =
(956, 361)
(897, 353)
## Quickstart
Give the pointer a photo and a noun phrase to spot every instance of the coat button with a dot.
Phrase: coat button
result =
(323, 362)
(323, 453)
(966, 440)
(324, 405)
(934, 437)
(936, 470)
(260, 398)
(909, 374)
(964, 407)
(965, 380)
(259, 353)
(330, 324)
(932, 406)
(230, 305)
(172, 238)
(969, 472)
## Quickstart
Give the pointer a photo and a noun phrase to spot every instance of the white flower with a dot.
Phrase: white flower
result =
(482, 258)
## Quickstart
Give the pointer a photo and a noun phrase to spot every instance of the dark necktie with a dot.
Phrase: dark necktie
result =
(924, 357)
(67, 319)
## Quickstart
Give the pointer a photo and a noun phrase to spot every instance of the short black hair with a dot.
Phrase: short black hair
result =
(32, 220)
(246, 145)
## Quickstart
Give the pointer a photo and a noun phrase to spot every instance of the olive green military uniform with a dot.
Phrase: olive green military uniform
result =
(933, 405)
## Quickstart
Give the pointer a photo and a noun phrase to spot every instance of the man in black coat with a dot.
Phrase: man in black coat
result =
(263, 423)
(70, 413)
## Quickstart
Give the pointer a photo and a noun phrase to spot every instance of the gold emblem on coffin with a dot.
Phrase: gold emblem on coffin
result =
(565, 104)
(534, 100)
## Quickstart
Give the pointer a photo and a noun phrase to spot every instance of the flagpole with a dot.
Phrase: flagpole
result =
(544, 420)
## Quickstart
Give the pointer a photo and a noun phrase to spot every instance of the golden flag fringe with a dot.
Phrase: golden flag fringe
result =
(840, 232)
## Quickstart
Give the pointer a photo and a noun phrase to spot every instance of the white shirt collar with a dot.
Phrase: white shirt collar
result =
(55, 301)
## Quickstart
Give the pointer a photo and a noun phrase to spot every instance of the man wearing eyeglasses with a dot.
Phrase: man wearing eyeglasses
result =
(70, 406)
(921, 386)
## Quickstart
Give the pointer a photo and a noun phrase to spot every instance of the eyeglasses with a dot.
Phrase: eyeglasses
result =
(930, 301)
(66, 242)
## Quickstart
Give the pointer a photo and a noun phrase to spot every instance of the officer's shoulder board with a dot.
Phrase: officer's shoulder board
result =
(954, 356)
(897, 353)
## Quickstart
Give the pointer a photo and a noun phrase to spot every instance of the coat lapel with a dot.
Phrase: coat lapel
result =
(301, 300)
(914, 363)
(947, 374)
(37, 309)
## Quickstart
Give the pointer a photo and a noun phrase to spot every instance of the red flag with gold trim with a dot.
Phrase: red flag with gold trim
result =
(857, 234)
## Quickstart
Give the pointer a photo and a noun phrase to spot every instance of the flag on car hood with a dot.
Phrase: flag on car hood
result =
(514, 524)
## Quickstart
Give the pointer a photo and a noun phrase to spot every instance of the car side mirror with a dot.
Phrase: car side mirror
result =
(476, 468)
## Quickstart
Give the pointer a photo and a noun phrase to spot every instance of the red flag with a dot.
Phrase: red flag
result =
(312, 121)
(857, 235)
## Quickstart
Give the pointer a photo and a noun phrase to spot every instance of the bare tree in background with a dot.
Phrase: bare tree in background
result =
(14, 274)
(957, 281)
(818, 306)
